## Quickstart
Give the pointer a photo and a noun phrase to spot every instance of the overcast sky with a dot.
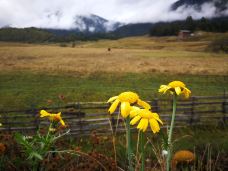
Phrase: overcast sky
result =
(61, 13)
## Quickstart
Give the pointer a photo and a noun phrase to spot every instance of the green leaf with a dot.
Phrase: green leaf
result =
(164, 141)
(35, 155)
(22, 140)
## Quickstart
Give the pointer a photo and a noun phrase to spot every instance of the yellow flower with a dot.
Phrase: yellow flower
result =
(176, 87)
(126, 99)
(52, 117)
(146, 117)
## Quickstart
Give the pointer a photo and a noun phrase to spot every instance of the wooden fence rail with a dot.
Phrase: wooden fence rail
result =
(83, 118)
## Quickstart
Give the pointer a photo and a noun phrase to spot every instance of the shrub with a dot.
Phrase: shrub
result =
(219, 45)
(63, 45)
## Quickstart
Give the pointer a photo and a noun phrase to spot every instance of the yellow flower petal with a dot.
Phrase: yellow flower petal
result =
(186, 92)
(62, 122)
(189, 91)
(154, 125)
(140, 125)
(44, 113)
(125, 109)
(145, 124)
(129, 96)
(112, 99)
(174, 84)
(143, 104)
(178, 90)
(146, 116)
(113, 106)
(156, 116)
(134, 111)
(135, 119)
(163, 88)
(176, 87)
(145, 113)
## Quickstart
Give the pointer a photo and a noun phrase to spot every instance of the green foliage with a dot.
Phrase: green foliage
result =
(94, 87)
(219, 45)
(35, 35)
(29, 35)
(132, 30)
(73, 44)
(189, 24)
(165, 29)
(63, 45)
(37, 147)
(172, 28)
(164, 140)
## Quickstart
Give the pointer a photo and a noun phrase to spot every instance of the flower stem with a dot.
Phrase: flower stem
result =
(170, 132)
(129, 148)
(142, 143)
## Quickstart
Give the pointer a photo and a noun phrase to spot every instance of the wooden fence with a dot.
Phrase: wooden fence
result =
(83, 118)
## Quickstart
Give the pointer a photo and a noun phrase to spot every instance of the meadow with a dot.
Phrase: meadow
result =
(32, 74)
(35, 75)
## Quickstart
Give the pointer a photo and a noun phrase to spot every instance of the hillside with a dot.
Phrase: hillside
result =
(34, 35)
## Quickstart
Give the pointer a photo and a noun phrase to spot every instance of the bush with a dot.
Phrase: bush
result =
(63, 45)
(219, 45)
(73, 44)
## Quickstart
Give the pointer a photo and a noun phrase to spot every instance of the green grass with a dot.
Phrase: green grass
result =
(201, 136)
(20, 90)
(195, 139)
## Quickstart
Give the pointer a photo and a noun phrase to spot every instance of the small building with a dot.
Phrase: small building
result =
(184, 34)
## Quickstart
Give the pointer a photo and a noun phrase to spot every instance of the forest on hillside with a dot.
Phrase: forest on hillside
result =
(38, 35)
(204, 24)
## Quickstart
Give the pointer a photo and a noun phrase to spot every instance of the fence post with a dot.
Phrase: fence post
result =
(113, 123)
(6, 123)
(78, 107)
(192, 112)
(155, 106)
(224, 108)
(36, 120)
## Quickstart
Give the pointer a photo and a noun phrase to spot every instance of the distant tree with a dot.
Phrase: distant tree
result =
(219, 24)
(189, 24)
(73, 44)
(165, 29)
(219, 45)
(203, 24)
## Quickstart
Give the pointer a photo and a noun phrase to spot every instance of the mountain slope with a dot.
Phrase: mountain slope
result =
(133, 30)
(94, 23)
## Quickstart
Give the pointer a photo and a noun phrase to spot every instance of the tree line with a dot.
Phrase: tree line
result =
(36, 35)
(172, 28)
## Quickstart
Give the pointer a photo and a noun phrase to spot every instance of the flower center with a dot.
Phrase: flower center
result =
(55, 117)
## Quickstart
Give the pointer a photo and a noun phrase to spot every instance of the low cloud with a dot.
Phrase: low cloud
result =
(61, 14)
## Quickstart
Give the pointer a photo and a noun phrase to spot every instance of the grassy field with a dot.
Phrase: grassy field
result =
(20, 90)
(39, 75)
(33, 74)
(135, 55)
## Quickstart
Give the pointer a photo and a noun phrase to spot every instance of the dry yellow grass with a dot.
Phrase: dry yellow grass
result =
(138, 54)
